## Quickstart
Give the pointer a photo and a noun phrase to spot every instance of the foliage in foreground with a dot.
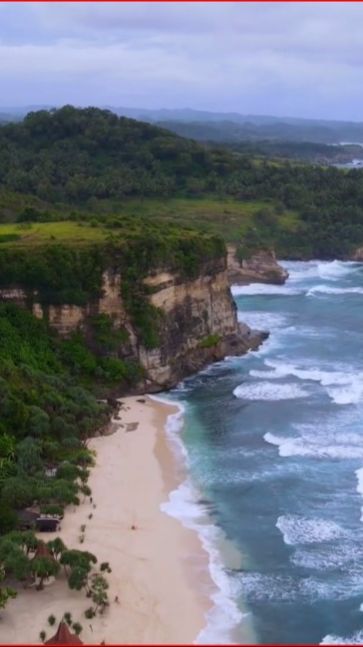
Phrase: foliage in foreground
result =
(20, 560)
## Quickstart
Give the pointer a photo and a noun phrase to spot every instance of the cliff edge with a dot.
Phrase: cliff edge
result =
(167, 323)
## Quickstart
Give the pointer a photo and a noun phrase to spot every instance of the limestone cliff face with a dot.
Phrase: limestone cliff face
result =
(197, 322)
(199, 326)
(262, 267)
(357, 255)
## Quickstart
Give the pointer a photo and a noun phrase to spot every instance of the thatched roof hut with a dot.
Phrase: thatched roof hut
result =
(42, 550)
(64, 636)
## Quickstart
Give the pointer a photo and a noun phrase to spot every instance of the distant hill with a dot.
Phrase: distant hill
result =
(234, 126)
(233, 132)
(204, 125)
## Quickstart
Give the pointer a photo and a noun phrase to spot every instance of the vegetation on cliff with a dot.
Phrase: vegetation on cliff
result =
(46, 418)
(56, 268)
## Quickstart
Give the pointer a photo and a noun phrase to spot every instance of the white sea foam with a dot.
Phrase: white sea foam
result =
(264, 289)
(174, 426)
(301, 530)
(316, 446)
(351, 394)
(265, 588)
(262, 320)
(343, 387)
(184, 505)
(359, 475)
(326, 270)
(301, 270)
(320, 561)
(327, 289)
(326, 378)
(336, 270)
(354, 639)
(346, 556)
(280, 588)
(269, 391)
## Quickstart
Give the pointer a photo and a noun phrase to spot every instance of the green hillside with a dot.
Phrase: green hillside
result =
(91, 166)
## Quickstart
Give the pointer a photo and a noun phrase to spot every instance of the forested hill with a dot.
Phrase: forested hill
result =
(63, 163)
(72, 155)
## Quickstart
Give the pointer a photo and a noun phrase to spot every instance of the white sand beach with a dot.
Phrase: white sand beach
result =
(159, 570)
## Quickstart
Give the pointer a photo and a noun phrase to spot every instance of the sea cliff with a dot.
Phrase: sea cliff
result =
(194, 320)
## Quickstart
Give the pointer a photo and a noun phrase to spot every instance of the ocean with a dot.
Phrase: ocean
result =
(273, 443)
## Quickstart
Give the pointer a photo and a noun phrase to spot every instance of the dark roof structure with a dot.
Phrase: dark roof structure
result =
(47, 523)
(64, 636)
(42, 550)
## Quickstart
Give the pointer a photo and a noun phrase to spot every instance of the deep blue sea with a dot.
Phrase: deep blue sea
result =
(274, 445)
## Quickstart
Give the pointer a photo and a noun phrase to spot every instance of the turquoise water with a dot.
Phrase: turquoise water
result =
(275, 449)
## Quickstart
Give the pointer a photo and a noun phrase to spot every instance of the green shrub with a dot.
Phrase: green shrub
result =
(210, 341)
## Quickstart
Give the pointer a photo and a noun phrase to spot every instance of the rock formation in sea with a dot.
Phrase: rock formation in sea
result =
(261, 267)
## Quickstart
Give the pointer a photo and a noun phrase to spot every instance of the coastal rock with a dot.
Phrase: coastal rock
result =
(357, 255)
(199, 327)
(197, 322)
(261, 267)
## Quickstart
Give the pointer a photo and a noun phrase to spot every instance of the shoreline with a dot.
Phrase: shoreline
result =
(226, 622)
(159, 568)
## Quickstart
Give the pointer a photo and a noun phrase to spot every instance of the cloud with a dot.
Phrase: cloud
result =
(304, 58)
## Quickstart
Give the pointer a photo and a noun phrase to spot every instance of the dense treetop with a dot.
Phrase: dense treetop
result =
(73, 155)
(95, 162)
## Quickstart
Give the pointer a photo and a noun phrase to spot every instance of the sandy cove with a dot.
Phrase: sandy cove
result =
(159, 569)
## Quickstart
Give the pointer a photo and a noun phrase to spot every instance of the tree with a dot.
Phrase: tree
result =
(57, 547)
(78, 577)
(25, 539)
(67, 616)
(44, 567)
(77, 628)
(8, 518)
(7, 445)
(78, 565)
(105, 566)
(74, 557)
(17, 492)
(13, 560)
(28, 455)
(6, 593)
(38, 422)
(98, 589)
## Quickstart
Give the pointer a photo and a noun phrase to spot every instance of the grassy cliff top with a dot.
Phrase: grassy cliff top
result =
(228, 218)
(35, 234)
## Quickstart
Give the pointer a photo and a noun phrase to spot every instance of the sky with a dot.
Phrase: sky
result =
(295, 59)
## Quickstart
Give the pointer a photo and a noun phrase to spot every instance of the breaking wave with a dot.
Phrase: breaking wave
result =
(301, 530)
(269, 391)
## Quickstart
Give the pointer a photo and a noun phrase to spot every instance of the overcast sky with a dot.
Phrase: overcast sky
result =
(299, 59)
